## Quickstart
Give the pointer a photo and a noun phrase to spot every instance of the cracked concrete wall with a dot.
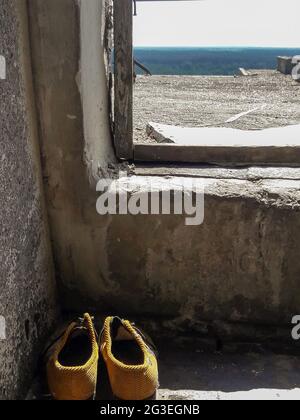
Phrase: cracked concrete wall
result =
(27, 298)
(241, 266)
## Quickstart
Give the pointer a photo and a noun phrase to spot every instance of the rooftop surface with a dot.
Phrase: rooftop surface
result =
(210, 101)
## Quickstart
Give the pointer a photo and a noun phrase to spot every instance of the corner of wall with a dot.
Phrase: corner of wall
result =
(94, 84)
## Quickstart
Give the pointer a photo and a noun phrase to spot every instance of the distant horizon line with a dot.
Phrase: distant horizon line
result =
(216, 46)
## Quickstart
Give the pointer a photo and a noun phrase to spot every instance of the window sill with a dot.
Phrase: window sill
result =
(273, 146)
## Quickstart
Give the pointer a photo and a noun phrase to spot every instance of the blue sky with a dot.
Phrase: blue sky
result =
(273, 23)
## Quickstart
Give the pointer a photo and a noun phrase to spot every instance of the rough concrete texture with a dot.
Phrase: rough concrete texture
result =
(209, 101)
(73, 147)
(239, 372)
(241, 267)
(191, 371)
(252, 395)
(27, 299)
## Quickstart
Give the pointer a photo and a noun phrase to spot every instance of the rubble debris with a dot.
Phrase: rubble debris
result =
(242, 114)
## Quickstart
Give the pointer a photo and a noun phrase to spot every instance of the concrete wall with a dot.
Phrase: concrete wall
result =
(27, 297)
(241, 266)
(72, 96)
(94, 84)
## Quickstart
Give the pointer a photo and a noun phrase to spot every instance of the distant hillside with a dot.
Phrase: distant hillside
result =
(208, 61)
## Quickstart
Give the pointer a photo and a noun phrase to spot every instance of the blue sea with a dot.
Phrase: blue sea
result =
(208, 60)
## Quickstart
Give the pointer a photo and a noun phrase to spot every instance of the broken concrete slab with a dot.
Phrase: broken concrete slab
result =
(285, 64)
(281, 137)
(243, 72)
(272, 146)
(153, 133)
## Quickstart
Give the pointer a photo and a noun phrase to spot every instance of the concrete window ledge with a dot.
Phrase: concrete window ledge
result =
(241, 265)
(278, 187)
(272, 146)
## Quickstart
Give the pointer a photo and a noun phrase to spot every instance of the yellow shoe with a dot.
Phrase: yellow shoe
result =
(72, 367)
(130, 360)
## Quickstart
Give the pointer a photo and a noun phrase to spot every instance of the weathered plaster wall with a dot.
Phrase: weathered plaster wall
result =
(75, 132)
(27, 287)
(240, 266)
(94, 83)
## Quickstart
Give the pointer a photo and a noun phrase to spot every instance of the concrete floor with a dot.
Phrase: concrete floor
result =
(250, 373)
(192, 372)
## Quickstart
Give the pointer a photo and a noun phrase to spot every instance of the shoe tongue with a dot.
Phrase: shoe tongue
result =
(119, 332)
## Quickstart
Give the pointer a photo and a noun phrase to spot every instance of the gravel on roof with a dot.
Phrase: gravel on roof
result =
(195, 101)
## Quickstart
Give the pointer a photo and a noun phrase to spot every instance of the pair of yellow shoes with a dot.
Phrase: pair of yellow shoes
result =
(72, 368)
